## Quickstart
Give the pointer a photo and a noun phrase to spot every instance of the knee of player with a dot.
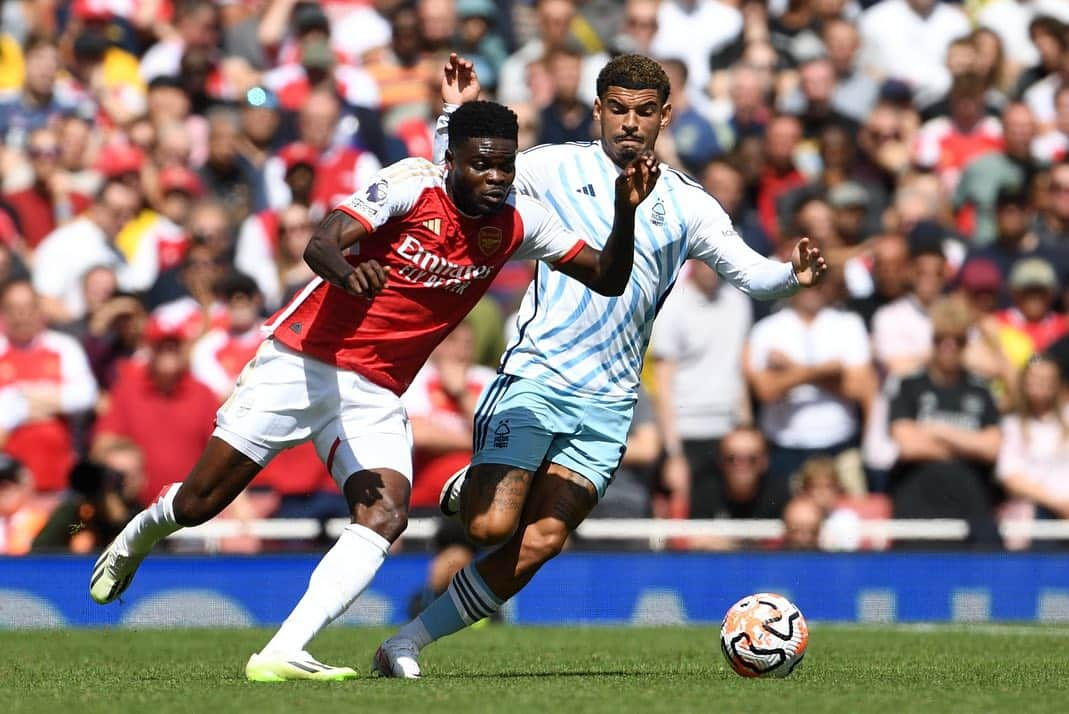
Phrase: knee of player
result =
(490, 529)
(388, 519)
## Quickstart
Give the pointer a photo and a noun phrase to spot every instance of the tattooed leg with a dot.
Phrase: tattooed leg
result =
(558, 501)
(492, 502)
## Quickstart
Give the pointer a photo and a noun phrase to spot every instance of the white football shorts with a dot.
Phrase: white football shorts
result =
(283, 398)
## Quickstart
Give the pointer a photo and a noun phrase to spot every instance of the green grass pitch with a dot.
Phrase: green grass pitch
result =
(984, 668)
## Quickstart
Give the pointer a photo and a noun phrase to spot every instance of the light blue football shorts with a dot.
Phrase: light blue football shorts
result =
(522, 422)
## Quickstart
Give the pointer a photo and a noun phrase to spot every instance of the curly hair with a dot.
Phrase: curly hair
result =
(634, 72)
(482, 120)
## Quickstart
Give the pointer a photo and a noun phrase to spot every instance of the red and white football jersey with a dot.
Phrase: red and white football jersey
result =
(441, 262)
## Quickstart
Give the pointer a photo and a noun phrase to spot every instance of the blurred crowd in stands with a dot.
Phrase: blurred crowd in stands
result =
(164, 163)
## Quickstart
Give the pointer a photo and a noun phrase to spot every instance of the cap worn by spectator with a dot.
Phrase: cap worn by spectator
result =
(317, 54)
(848, 195)
(159, 332)
(980, 275)
(309, 17)
(179, 178)
(897, 92)
(298, 154)
(1032, 273)
(476, 8)
(261, 98)
(119, 159)
(926, 237)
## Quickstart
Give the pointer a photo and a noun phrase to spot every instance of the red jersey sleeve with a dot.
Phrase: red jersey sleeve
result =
(544, 236)
(392, 193)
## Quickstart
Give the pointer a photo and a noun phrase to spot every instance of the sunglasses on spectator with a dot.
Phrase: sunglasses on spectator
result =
(639, 22)
(742, 458)
(959, 339)
(41, 153)
(884, 136)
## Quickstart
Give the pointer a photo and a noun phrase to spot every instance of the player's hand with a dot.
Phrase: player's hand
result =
(637, 180)
(460, 83)
(809, 265)
(366, 280)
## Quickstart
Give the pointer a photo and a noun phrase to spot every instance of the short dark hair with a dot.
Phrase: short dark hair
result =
(634, 72)
(1012, 196)
(37, 40)
(482, 120)
(236, 283)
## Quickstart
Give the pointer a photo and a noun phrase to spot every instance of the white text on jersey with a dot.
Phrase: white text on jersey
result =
(434, 271)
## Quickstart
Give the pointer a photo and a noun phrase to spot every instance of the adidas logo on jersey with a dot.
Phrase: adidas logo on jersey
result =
(434, 225)
(587, 190)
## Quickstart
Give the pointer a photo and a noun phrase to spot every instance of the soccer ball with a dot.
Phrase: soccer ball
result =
(764, 635)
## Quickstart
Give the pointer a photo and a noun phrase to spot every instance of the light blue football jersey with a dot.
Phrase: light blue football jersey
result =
(576, 340)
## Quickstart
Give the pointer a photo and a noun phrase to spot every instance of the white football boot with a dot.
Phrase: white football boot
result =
(449, 500)
(112, 574)
(396, 657)
(276, 667)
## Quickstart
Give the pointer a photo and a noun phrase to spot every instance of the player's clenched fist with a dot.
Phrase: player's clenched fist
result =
(366, 280)
(637, 180)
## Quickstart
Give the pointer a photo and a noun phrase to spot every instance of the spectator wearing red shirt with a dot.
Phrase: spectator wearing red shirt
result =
(947, 144)
(317, 68)
(441, 405)
(161, 407)
(198, 310)
(1034, 287)
(339, 170)
(50, 199)
(44, 380)
(779, 175)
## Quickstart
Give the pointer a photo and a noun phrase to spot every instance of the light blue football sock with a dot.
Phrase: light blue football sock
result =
(467, 600)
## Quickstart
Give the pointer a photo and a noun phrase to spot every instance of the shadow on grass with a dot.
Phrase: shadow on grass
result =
(570, 673)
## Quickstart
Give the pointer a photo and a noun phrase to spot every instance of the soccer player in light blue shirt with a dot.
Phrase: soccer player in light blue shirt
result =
(550, 430)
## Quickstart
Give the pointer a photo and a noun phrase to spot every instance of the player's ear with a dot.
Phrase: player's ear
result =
(666, 114)
(449, 158)
(597, 108)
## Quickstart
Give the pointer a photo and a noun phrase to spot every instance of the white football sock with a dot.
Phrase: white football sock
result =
(151, 525)
(345, 571)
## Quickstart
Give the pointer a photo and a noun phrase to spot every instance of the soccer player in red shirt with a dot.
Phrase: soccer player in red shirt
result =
(426, 243)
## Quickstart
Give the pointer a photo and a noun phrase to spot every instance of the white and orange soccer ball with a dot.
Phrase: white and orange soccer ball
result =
(764, 635)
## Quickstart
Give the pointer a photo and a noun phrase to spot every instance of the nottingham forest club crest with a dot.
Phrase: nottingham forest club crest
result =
(489, 240)
(657, 214)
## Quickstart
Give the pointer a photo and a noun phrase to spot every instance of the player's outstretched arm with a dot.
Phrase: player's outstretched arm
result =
(609, 270)
(325, 256)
